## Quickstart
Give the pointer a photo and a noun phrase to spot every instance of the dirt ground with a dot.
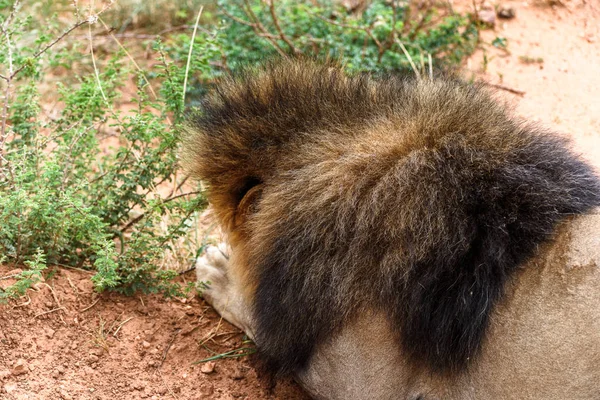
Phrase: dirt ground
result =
(63, 341)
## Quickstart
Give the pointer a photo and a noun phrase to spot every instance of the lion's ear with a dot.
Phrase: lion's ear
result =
(247, 205)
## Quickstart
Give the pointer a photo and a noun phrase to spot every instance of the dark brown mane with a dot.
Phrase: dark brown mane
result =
(417, 198)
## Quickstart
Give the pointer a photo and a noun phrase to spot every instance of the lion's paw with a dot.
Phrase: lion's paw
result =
(222, 292)
(211, 271)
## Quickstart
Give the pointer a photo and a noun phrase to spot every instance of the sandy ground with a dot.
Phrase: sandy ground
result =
(562, 91)
(63, 341)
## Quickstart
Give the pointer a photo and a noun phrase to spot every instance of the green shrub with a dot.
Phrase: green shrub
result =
(93, 181)
(66, 196)
(377, 40)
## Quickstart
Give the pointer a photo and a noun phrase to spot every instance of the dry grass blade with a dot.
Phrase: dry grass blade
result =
(189, 59)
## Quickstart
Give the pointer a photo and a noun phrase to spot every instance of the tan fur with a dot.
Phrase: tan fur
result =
(544, 343)
(353, 205)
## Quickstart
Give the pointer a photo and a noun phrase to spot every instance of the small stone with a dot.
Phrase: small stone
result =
(50, 333)
(73, 345)
(4, 374)
(190, 311)
(65, 395)
(237, 374)
(208, 367)
(93, 358)
(487, 17)
(146, 345)
(20, 368)
(10, 387)
(506, 12)
(61, 369)
(206, 391)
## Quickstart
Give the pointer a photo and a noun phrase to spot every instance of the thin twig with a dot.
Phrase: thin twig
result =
(506, 88)
(90, 306)
(279, 30)
(142, 215)
(90, 20)
(25, 303)
(53, 294)
(164, 357)
(260, 29)
(48, 312)
(121, 325)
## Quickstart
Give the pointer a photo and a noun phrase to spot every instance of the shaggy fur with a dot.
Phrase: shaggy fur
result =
(419, 199)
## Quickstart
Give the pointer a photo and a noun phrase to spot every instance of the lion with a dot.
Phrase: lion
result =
(398, 237)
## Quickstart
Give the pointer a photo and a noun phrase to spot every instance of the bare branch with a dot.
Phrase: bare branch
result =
(50, 45)
(260, 29)
(279, 30)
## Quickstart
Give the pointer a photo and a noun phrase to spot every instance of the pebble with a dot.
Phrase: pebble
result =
(50, 333)
(237, 374)
(506, 12)
(10, 387)
(206, 391)
(146, 345)
(4, 374)
(20, 368)
(487, 16)
(208, 367)
(190, 312)
(93, 358)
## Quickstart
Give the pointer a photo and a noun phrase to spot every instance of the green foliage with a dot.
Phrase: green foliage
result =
(93, 181)
(69, 198)
(372, 41)
(26, 278)
(500, 42)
